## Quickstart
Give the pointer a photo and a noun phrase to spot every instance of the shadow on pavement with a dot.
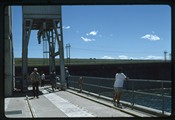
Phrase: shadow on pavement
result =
(29, 93)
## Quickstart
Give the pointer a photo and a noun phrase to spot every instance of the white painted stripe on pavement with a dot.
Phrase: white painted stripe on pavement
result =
(68, 108)
(7, 100)
(45, 91)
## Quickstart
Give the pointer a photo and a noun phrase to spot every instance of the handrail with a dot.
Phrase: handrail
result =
(150, 80)
(144, 80)
(125, 90)
(134, 93)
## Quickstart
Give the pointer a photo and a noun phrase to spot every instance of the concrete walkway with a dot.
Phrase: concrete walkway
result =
(61, 104)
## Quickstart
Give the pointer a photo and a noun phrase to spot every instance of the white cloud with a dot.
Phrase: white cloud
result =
(123, 57)
(151, 37)
(149, 57)
(87, 39)
(66, 27)
(153, 57)
(93, 33)
(134, 58)
(107, 57)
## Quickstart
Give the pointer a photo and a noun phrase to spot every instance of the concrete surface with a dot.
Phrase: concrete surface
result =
(61, 104)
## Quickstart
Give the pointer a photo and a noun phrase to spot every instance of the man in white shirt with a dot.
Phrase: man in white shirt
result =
(118, 86)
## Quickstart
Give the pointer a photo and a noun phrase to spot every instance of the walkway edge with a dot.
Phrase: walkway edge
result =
(100, 102)
(149, 111)
(30, 107)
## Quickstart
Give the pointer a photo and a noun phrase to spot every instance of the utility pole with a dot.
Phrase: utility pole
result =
(68, 53)
(170, 56)
(165, 52)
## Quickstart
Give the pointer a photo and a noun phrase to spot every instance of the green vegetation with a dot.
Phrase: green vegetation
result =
(91, 61)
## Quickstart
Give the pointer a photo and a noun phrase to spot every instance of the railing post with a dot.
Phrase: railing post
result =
(99, 87)
(162, 98)
(132, 94)
(74, 83)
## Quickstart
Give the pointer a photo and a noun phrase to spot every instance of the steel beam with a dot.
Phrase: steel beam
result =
(25, 41)
(61, 51)
(173, 58)
(38, 18)
(51, 50)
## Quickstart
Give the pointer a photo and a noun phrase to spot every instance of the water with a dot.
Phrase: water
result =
(155, 102)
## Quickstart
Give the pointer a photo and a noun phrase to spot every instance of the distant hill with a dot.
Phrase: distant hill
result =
(91, 61)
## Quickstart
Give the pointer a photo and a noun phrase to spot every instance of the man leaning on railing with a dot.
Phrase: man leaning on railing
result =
(118, 86)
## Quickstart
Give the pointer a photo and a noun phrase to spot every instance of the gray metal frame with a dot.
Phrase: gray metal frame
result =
(47, 24)
(9, 67)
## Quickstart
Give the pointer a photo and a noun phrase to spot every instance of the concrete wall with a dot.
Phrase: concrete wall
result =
(9, 59)
(153, 71)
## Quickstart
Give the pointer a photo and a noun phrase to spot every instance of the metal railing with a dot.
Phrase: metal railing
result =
(136, 91)
(149, 93)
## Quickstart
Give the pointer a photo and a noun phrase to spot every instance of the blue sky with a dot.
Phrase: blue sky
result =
(108, 31)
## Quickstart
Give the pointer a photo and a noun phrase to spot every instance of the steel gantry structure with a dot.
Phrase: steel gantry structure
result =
(47, 21)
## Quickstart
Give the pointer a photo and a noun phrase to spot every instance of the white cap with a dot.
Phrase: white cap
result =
(35, 69)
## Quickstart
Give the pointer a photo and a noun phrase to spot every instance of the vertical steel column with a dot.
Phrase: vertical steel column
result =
(8, 53)
(61, 53)
(51, 50)
(25, 41)
(48, 39)
(173, 57)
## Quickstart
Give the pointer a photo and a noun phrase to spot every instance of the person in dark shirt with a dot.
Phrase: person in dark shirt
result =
(35, 80)
(53, 80)
(67, 76)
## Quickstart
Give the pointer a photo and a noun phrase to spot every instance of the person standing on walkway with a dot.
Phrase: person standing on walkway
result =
(35, 80)
(53, 80)
(118, 86)
(80, 84)
(42, 79)
(67, 76)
